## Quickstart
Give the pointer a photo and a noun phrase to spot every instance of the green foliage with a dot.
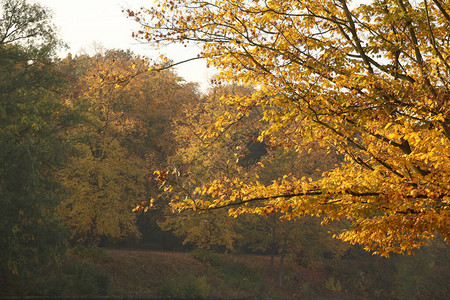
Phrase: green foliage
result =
(423, 276)
(236, 275)
(231, 275)
(185, 286)
(434, 285)
(152, 236)
(28, 25)
(208, 256)
(333, 285)
(92, 253)
(31, 144)
(57, 284)
(86, 279)
(304, 291)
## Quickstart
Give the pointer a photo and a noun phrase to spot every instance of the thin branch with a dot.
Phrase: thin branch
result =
(176, 64)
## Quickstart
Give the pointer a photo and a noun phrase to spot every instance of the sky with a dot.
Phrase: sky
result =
(82, 23)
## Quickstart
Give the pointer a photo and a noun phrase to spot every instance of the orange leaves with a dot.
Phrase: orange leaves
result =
(144, 207)
(161, 175)
(364, 81)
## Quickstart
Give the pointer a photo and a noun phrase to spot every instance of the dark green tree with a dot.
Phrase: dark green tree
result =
(32, 145)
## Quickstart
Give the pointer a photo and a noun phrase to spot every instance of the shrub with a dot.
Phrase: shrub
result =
(187, 287)
(92, 253)
(86, 279)
(207, 256)
(333, 285)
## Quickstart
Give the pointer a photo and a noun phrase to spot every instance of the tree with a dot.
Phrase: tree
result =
(196, 160)
(29, 25)
(104, 179)
(370, 81)
(206, 231)
(32, 145)
(124, 136)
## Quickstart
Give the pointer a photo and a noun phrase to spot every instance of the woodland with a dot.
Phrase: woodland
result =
(316, 166)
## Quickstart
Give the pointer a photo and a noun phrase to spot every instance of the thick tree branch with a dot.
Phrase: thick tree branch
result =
(242, 202)
(442, 9)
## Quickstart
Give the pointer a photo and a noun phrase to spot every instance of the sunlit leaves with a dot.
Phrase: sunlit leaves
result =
(104, 178)
(368, 80)
(126, 134)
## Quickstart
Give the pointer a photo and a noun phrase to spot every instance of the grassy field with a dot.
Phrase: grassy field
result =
(134, 273)
(198, 274)
(204, 274)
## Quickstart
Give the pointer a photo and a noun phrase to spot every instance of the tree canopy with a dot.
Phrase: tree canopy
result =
(370, 81)
(32, 119)
(124, 135)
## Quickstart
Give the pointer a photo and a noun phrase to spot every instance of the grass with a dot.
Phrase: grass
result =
(190, 275)
(203, 274)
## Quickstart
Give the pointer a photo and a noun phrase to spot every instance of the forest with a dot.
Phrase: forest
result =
(316, 166)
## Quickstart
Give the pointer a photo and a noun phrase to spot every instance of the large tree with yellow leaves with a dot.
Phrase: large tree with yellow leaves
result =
(368, 80)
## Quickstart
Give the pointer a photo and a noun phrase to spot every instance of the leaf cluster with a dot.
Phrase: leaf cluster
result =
(369, 81)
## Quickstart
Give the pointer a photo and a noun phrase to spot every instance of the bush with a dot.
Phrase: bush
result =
(86, 279)
(92, 253)
(187, 287)
(239, 276)
(207, 256)
(333, 285)
(56, 285)
(232, 275)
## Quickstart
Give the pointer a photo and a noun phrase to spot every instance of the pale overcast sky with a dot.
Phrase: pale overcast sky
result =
(83, 22)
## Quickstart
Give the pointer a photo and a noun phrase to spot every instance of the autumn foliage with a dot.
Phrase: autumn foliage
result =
(370, 81)
(124, 134)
